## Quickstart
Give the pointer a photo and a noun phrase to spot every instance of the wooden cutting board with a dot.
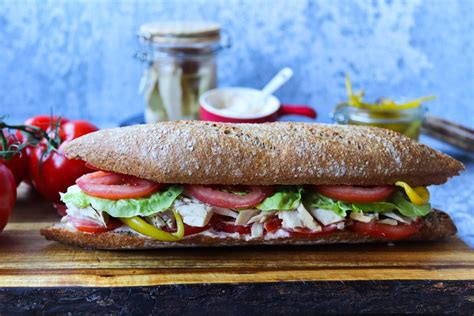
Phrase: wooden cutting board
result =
(28, 260)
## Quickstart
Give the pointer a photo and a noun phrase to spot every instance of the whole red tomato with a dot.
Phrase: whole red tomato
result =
(17, 163)
(7, 195)
(73, 129)
(50, 171)
(45, 122)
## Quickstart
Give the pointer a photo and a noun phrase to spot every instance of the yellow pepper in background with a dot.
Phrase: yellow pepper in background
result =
(385, 104)
(139, 225)
(417, 195)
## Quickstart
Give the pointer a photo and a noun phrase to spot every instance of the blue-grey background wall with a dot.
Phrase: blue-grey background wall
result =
(75, 57)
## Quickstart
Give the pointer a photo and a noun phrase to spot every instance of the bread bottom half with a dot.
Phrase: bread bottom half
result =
(436, 225)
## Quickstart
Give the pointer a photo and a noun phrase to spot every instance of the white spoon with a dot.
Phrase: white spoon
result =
(280, 79)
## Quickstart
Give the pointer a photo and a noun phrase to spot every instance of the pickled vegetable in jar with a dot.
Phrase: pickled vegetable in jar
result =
(181, 65)
(405, 118)
(407, 122)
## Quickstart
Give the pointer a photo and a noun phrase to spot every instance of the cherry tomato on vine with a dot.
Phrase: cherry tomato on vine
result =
(44, 122)
(50, 171)
(17, 163)
(7, 195)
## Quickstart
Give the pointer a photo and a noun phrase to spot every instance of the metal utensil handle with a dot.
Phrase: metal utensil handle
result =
(280, 79)
(449, 132)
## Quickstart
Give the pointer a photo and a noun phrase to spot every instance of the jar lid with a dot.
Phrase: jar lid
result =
(180, 32)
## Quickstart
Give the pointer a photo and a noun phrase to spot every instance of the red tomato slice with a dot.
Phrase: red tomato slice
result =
(374, 229)
(210, 195)
(189, 230)
(272, 225)
(60, 208)
(221, 225)
(349, 193)
(88, 165)
(306, 232)
(93, 227)
(115, 186)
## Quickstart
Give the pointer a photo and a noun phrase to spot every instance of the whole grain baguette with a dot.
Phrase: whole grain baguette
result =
(436, 225)
(197, 152)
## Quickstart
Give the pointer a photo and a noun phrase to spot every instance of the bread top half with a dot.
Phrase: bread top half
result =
(197, 152)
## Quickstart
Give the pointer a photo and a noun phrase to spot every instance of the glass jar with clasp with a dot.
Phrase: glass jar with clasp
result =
(181, 64)
(405, 118)
(407, 122)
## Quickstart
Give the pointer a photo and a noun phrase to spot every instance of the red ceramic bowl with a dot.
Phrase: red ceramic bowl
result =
(212, 101)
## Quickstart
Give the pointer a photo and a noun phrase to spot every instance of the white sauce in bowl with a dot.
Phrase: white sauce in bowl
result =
(239, 103)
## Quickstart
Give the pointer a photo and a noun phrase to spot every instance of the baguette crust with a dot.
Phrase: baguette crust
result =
(436, 225)
(197, 152)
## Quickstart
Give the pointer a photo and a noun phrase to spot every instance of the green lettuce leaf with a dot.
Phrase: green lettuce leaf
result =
(377, 207)
(75, 196)
(409, 209)
(316, 200)
(157, 202)
(397, 202)
(286, 198)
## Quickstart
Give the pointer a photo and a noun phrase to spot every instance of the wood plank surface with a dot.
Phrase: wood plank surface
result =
(28, 260)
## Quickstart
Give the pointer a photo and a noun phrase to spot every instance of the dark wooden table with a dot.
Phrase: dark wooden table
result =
(39, 276)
